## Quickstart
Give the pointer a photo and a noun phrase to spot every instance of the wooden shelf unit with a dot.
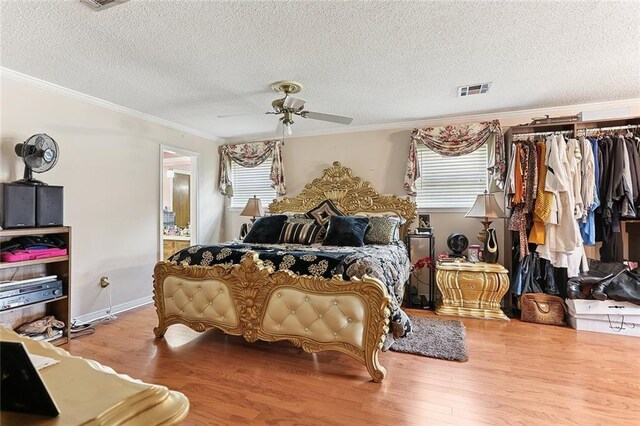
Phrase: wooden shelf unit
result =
(576, 127)
(60, 266)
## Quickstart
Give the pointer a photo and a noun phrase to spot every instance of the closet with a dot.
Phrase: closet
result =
(607, 224)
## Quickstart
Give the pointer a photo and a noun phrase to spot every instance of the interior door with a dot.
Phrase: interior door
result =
(182, 198)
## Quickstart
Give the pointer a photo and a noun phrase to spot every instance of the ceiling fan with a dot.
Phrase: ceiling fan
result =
(288, 107)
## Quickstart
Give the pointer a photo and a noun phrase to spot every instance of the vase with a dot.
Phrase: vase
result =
(490, 252)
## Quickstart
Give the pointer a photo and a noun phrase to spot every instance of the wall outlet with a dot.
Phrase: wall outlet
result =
(104, 282)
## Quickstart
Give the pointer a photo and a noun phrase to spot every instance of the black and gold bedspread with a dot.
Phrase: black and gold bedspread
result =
(388, 263)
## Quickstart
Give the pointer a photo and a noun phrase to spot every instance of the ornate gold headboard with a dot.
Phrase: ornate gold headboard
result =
(350, 194)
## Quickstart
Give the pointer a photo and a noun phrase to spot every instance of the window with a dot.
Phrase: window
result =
(250, 181)
(450, 182)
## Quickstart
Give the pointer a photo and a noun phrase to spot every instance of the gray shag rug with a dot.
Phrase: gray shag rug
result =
(435, 338)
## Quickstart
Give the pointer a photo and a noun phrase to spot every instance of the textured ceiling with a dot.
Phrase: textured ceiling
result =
(379, 62)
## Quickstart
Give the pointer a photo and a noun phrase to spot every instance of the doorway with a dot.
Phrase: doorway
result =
(178, 200)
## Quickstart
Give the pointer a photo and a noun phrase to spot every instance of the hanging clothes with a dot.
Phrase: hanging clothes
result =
(517, 180)
(590, 184)
(634, 165)
(542, 206)
(522, 201)
(563, 243)
(619, 178)
(627, 208)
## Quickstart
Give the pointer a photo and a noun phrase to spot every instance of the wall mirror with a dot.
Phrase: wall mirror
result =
(178, 200)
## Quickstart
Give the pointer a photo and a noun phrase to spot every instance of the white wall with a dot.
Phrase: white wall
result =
(110, 169)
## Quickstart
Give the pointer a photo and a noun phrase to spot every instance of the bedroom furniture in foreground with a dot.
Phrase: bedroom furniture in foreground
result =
(89, 393)
(430, 302)
(60, 266)
(472, 289)
(312, 312)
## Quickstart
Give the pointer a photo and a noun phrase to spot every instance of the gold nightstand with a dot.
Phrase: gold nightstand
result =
(472, 289)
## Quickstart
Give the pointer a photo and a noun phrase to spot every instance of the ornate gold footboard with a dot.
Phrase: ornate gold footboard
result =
(249, 299)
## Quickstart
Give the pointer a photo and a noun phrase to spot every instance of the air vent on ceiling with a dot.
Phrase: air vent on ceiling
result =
(473, 89)
(102, 4)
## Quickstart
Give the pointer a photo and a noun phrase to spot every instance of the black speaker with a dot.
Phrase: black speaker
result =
(49, 202)
(18, 206)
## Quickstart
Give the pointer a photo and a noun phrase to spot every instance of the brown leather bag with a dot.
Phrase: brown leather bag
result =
(542, 309)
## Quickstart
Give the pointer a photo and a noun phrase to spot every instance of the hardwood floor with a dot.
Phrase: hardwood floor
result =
(517, 373)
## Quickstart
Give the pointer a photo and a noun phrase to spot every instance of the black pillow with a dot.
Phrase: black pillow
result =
(266, 230)
(346, 231)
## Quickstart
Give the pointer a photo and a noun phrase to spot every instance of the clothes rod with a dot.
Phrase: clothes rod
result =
(604, 129)
(561, 132)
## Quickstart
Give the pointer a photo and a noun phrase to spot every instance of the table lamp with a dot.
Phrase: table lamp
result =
(253, 208)
(486, 208)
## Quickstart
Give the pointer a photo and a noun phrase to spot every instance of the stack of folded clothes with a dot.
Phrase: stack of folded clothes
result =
(32, 247)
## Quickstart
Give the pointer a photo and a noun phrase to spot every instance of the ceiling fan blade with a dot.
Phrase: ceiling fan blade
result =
(326, 117)
(295, 104)
(242, 115)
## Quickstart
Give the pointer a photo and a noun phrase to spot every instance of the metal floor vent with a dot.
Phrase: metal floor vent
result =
(99, 5)
(473, 89)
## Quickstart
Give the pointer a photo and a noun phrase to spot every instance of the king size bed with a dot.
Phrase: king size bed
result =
(335, 291)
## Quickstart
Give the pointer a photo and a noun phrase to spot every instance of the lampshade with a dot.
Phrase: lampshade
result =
(485, 206)
(253, 208)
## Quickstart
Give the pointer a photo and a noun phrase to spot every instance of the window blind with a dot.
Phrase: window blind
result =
(450, 182)
(250, 181)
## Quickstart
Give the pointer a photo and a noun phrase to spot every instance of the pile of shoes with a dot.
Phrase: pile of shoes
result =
(606, 281)
(46, 328)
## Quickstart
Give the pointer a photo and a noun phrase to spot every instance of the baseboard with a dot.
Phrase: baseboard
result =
(94, 316)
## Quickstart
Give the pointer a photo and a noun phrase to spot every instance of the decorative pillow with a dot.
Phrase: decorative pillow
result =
(266, 230)
(346, 231)
(304, 220)
(299, 233)
(383, 230)
(323, 212)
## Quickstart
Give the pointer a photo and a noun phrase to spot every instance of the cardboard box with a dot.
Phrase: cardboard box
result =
(608, 316)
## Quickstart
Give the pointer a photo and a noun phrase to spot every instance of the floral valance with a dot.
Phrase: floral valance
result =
(251, 155)
(453, 141)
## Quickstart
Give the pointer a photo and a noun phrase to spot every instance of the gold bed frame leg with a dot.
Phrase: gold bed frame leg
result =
(376, 370)
(158, 300)
(160, 330)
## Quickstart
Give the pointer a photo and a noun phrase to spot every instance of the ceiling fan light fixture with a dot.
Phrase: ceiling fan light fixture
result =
(294, 104)
(287, 129)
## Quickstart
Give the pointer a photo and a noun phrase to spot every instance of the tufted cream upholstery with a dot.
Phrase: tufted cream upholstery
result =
(199, 300)
(323, 318)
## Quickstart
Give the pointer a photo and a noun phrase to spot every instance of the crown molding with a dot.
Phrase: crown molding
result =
(42, 84)
(504, 114)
